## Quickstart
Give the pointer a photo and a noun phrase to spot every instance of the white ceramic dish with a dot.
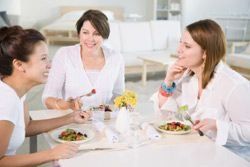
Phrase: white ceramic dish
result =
(157, 126)
(55, 135)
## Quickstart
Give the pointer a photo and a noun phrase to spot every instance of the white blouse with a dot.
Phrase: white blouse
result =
(11, 109)
(68, 78)
(226, 99)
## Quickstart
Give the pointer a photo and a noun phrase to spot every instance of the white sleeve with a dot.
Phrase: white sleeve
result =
(237, 131)
(119, 84)
(56, 79)
(8, 110)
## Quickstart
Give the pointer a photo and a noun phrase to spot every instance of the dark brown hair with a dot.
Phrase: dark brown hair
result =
(97, 19)
(16, 43)
(209, 35)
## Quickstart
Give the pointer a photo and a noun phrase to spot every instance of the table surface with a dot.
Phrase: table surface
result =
(171, 150)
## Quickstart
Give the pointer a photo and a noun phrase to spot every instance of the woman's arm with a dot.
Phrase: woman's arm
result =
(238, 108)
(61, 151)
(6, 129)
(55, 83)
(61, 104)
(34, 127)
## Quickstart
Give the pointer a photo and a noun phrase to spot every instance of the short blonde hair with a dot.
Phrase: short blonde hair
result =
(209, 35)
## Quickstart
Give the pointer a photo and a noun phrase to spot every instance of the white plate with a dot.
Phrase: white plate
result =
(156, 125)
(55, 135)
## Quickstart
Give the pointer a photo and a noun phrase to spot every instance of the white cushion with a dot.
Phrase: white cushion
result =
(165, 34)
(135, 36)
(114, 40)
(239, 60)
(75, 15)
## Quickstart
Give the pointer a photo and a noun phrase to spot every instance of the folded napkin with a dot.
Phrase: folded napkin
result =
(151, 133)
(111, 134)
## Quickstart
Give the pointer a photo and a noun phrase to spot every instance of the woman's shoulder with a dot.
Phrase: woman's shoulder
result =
(111, 52)
(8, 92)
(229, 76)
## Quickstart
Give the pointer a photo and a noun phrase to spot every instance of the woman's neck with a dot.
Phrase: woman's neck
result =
(198, 73)
(16, 83)
(93, 54)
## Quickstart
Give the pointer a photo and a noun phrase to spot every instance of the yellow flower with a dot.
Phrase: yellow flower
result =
(127, 99)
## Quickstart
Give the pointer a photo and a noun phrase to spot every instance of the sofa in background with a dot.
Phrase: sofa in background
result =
(240, 61)
(151, 38)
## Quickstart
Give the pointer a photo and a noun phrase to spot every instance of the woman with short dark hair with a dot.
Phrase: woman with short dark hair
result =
(23, 65)
(217, 97)
(80, 68)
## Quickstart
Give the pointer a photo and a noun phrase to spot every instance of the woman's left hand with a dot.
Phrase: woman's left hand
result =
(80, 116)
(205, 125)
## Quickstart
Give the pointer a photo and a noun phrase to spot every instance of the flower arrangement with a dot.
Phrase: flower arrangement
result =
(128, 99)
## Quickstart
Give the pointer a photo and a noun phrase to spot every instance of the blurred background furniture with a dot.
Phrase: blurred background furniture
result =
(236, 27)
(63, 29)
(4, 20)
(239, 58)
(157, 39)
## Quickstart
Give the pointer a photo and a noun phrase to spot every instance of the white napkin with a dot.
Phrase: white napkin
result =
(151, 133)
(112, 135)
(99, 125)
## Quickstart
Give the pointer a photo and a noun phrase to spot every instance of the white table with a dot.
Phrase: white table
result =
(172, 150)
(158, 60)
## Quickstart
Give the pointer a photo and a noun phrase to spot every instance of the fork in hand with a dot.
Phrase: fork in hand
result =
(93, 91)
(187, 117)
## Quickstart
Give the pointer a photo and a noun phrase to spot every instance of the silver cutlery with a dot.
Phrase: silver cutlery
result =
(183, 111)
(93, 91)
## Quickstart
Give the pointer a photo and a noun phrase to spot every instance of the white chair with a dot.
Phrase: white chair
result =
(240, 61)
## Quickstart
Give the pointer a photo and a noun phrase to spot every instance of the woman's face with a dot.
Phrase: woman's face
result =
(90, 39)
(190, 54)
(37, 68)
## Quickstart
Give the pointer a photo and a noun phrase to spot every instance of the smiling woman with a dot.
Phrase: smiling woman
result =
(217, 97)
(24, 64)
(78, 69)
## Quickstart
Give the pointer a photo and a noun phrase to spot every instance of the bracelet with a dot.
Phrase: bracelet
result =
(164, 93)
(56, 104)
(168, 89)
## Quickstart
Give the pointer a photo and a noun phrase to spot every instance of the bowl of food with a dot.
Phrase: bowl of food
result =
(174, 127)
(76, 135)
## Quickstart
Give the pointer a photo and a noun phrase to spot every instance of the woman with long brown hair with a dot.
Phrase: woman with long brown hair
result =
(217, 97)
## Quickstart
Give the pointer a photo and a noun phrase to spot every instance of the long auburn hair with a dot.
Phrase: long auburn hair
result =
(209, 35)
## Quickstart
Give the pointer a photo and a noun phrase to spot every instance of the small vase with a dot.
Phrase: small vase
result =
(122, 121)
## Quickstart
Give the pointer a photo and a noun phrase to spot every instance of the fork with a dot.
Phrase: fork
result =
(93, 91)
(187, 117)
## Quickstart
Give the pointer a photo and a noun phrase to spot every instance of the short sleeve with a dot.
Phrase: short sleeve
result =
(56, 79)
(8, 109)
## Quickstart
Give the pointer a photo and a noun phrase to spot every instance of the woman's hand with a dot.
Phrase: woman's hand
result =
(174, 72)
(80, 116)
(74, 104)
(70, 103)
(205, 125)
(63, 151)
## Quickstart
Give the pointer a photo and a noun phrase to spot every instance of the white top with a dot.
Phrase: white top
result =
(93, 75)
(226, 99)
(68, 78)
(11, 109)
